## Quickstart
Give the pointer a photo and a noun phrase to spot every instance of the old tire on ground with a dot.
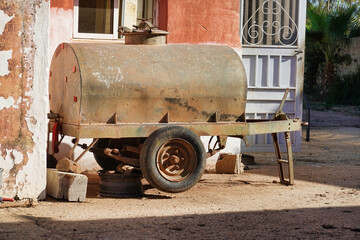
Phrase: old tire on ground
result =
(118, 185)
(172, 159)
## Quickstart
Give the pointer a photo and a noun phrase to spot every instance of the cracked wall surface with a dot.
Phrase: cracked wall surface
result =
(23, 96)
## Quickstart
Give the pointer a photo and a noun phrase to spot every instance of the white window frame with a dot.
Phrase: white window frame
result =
(76, 33)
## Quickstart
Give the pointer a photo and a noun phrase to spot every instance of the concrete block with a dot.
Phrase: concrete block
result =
(229, 163)
(67, 165)
(68, 186)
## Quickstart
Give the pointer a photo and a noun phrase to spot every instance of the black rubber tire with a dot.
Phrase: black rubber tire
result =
(149, 153)
(118, 185)
(108, 163)
(105, 162)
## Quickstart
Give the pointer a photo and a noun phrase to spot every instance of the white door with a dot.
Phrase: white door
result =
(273, 42)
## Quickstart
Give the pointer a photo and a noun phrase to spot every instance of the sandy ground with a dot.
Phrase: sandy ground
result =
(324, 203)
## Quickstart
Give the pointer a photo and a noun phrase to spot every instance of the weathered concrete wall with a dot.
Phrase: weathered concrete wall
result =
(202, 21)
(354, 51)
(23, 96)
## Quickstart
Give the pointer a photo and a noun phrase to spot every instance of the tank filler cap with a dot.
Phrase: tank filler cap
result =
(145, 33)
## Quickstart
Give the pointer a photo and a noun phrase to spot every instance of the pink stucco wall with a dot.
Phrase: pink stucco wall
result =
(61, 23)
(201, 21)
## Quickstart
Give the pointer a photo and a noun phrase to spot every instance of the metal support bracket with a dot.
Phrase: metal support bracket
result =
(73, 149)
(279, 114)
(87, 149)
(220, 141)
(281, 161)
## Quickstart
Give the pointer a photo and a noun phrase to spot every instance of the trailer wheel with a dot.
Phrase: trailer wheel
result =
(172, 159)
(105, 162)
(108, 163)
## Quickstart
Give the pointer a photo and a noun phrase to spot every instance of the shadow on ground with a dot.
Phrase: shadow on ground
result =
(285, 224)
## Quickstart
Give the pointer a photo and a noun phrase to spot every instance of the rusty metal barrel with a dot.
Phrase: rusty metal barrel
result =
(112, 82)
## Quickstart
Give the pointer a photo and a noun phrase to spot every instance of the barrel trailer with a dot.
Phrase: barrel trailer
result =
(145, 104)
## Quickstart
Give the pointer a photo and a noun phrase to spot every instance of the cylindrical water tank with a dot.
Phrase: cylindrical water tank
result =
(94, 82)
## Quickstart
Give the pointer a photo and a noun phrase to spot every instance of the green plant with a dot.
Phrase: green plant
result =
(329, 29)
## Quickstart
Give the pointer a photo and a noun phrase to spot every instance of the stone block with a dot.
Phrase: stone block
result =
(229, 164)
(68, 186)
(67, 165)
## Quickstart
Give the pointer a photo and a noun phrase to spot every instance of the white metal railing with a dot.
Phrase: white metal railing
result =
(270, 22)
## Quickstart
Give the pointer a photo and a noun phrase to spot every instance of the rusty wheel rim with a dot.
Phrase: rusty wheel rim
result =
(176, 160)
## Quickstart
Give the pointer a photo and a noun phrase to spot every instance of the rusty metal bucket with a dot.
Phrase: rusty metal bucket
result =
(117, 185)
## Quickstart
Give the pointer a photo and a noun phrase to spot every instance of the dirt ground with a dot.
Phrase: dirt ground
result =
(324, 203)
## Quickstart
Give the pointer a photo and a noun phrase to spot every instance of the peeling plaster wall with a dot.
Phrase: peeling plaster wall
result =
(23, 96)
(5, 56)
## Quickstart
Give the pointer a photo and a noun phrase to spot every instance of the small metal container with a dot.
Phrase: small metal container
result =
(117, 185)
